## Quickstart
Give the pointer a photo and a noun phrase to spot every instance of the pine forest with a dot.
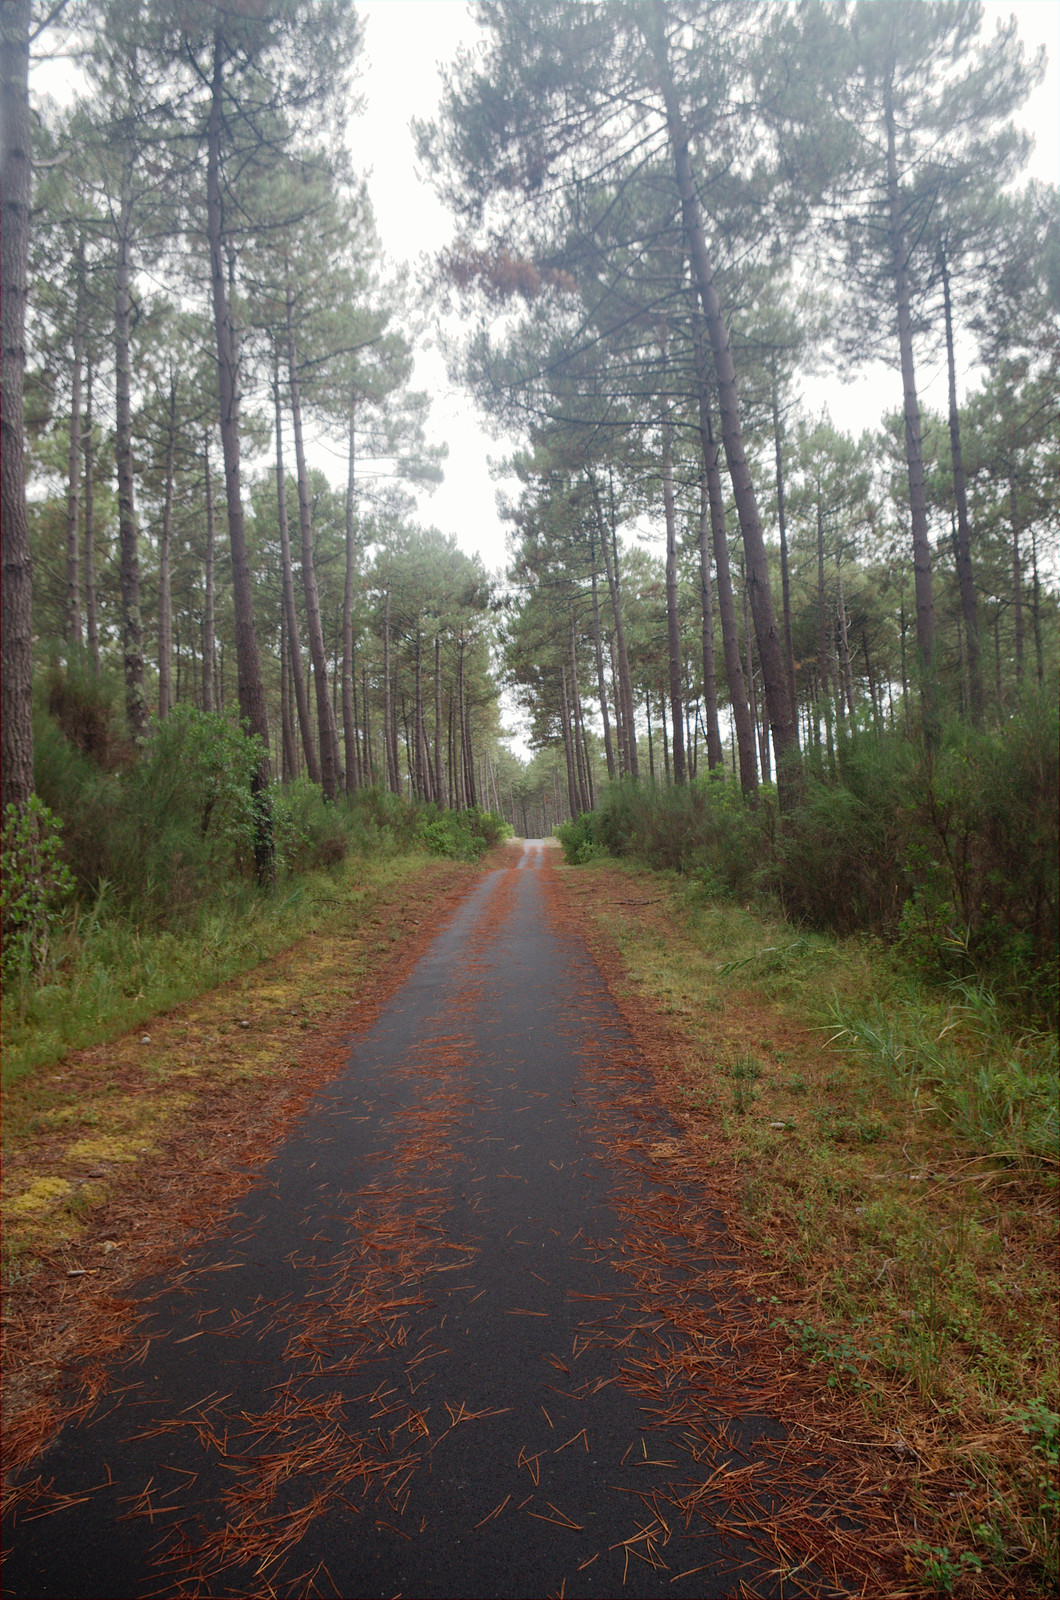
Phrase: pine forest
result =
(804, 673)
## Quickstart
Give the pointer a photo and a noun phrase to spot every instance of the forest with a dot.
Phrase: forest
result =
(748, 645)
(793, 683)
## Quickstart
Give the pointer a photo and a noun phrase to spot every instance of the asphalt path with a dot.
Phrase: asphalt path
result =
(467, 1336)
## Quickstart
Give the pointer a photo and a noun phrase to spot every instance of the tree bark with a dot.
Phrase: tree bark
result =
(844, 637)
(440, 793)
(129, 561)
(925, 603)
(290, 609)
(73, 477)
(706, 595)
(388, 729)
(349, 726)
(251, 688)
(673, 624)
(770, 652)
(614, 586)
(609, 753)
(16, 570)
(1017, 574)
(165, 597)
(91, 611)
(730, 634)
(290, 749)
(209, 643)
(568, 747)
(782, 526)
(576, 730)
(328, 732)
(965, 577)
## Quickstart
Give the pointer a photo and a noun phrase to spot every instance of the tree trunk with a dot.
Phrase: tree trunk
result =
(730, 634)
(609, 754)
(349, 726)
(73, 475)
(1017, 574)
(328, 733)
(823, 673)
(440, 794)
(665, 737)
(252, 707)
(129, 563)
(568, 747)
(1036, 602)
(706, 594)
(673, 625)
(925, 603)
(651, 750)
(91, 611)
(209, 646)
(965, 578)
(290, 609)
(844, 637)
(16, 570)
(770, 653)
(576, 730)
(290, 749)
(389, 741)
(614, 585)
(165, 596)
(782, 526)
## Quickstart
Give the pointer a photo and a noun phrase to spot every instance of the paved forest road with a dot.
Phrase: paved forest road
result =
(459, 1341)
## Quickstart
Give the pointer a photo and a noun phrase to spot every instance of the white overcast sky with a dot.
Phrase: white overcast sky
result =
(406, 41)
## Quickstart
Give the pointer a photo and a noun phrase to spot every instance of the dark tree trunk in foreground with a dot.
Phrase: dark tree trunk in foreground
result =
(251, 690)
(16, 572)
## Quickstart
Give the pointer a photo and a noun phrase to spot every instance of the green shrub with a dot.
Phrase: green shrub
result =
(35, 886)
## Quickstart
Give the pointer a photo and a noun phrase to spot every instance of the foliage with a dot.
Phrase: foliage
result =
(459, 835)
(947, 851)
(35, 885)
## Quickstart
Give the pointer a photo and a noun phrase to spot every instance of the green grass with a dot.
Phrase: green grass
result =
(895, 1146)
(107, 974)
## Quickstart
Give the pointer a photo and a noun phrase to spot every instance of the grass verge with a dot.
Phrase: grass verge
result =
(895, 1161)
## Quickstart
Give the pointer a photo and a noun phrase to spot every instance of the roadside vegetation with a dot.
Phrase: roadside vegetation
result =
(863, 1005)
(131, 885)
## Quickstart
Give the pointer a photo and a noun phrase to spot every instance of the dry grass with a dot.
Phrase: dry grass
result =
(918, 1277)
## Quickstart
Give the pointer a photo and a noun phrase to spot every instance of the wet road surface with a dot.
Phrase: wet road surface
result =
(462, 1339)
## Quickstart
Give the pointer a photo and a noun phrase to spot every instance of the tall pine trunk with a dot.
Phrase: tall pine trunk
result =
(730, 634)
(91, 610)
(73, 477)
(16, 570)
(326, 727)
(782, 528)
(129, 558)
(609, 544)
(673, 624)
(209, 642)
(963, 542)
(706, 598)
(290, 608)
(349, 724)
(609, 754)
(770, 651)
(165, 596)
(251, 687)
(914, 454)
